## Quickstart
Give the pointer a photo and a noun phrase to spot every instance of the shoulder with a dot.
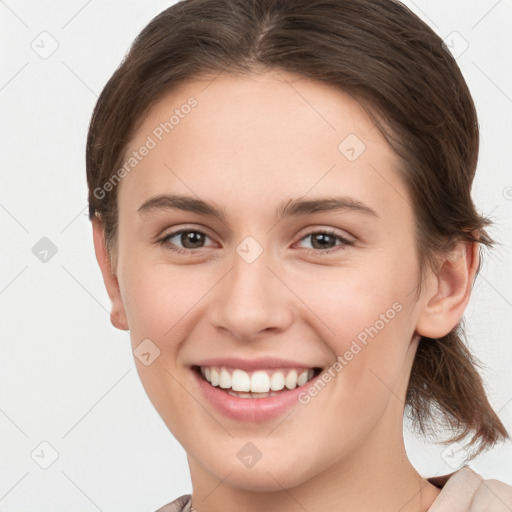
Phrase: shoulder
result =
(181, 504)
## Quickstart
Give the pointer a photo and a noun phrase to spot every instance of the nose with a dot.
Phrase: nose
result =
(251, 300)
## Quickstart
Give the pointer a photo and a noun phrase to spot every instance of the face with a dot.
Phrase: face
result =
(267, 232)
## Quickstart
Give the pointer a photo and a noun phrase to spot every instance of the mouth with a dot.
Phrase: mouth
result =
(261, 383)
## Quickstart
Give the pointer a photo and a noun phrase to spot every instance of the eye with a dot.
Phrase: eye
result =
(191, 239)
(324, 241)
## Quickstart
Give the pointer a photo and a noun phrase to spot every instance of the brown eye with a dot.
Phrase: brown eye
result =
(185, 239)
(323, 241)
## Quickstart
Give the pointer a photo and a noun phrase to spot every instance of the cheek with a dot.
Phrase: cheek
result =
(356, 303)
(158, 297)
(365, 317)
(160, 302)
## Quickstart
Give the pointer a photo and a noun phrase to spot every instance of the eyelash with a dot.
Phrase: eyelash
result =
(344, 241)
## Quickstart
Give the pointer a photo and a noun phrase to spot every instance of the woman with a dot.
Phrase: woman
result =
(235, 132)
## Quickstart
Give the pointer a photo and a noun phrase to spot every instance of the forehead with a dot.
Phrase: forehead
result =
(256, 137)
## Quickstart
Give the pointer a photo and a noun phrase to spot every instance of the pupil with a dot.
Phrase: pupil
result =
(190, 238)
(325, 238)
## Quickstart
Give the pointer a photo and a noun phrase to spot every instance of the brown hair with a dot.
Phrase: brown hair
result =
(396, 67)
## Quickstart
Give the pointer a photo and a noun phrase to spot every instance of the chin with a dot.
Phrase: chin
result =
(262, 477)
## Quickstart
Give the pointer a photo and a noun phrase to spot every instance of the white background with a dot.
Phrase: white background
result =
(67, 376)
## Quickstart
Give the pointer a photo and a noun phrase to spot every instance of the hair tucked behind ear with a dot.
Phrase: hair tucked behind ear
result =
(396, 67)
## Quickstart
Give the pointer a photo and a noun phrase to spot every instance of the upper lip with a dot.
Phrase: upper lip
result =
(260, 363)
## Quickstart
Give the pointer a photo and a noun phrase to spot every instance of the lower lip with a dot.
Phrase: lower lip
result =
(250, 409)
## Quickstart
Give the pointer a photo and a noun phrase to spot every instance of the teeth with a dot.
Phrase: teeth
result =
(225, 379)
(252, 395)
(291, 380)
(214, 377)
(277, 381)
(240, 381)
(260, 383)
(302, 378)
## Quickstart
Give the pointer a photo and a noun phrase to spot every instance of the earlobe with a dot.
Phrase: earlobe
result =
(448, 291)
(117, 314)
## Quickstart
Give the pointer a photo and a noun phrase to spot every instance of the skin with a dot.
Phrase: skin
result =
(251, 144)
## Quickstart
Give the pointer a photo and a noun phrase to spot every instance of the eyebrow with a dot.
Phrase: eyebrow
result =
(293, 208)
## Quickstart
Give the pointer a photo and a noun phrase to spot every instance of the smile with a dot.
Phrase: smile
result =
(259, 383)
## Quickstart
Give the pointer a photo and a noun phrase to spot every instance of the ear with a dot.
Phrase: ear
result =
(448, 291)
(117, 314)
